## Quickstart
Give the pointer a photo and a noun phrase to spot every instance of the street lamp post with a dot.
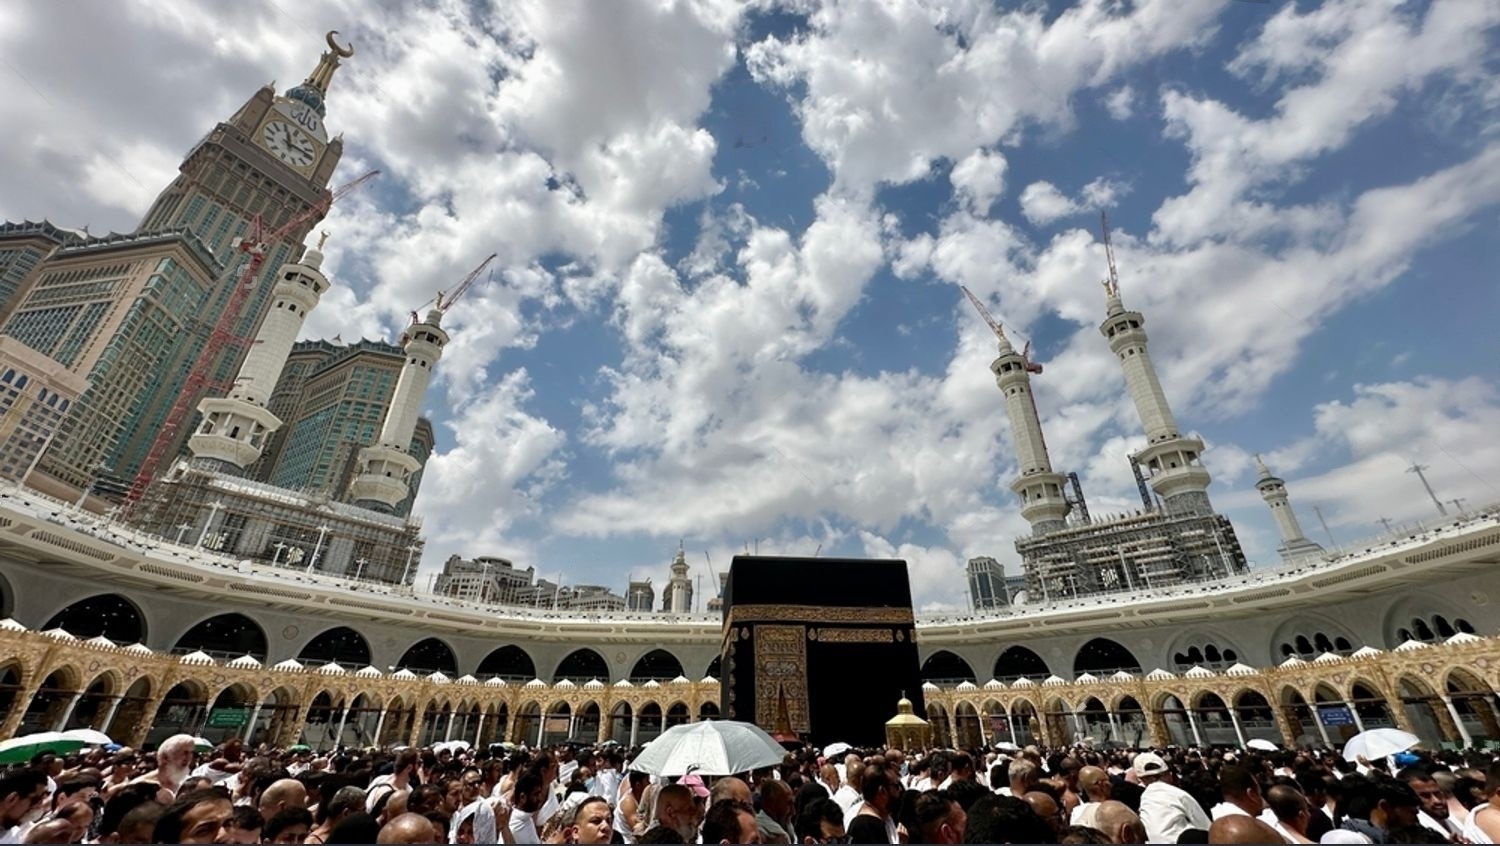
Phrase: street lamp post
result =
(182, 529)
(213, 511)
(359, 570)
(280, 547)
(318, 547)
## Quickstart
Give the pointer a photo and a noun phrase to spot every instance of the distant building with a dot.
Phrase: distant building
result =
(484, 579)
(36, 396)
(677, 598)
(988, 587)
(640, 595)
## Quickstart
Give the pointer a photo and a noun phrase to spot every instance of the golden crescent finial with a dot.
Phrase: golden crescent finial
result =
(344, 52)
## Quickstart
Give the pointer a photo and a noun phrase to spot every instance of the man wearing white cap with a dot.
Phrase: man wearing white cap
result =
(1166, 810)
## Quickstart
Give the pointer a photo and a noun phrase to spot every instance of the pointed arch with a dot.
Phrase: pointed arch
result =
(1103, 656)
(715, 668)
(427, 656)
(656, 665)
(338, 645)
(580, 666)
(509, 662)
(947, 668)
(107, 614)
(224, 636)
(1019, 662)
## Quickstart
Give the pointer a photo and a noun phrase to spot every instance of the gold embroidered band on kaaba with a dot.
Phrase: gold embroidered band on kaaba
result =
(740, 614)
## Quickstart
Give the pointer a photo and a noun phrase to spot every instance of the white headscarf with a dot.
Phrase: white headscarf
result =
(484, 822)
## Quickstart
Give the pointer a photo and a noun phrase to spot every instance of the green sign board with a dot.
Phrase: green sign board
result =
(228, 717)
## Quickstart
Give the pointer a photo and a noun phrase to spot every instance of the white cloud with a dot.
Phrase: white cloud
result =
(978, 180)
(1121, 103)
(870, 113)
(1042, 203)
(1359, 58)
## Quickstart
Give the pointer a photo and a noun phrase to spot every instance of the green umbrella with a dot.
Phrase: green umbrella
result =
(299, 747)
(19, 750)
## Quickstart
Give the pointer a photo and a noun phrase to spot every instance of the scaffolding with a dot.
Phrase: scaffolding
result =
(278, 527)
(1132, 552)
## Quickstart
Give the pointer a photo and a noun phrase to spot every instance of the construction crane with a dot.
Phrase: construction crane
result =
(201, 380)
(1112, 282)
(443, 301)
(995, 327)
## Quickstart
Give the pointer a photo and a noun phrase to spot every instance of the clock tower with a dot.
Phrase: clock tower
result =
(273, 157)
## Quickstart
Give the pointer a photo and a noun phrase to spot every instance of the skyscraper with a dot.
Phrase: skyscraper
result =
(132, 313)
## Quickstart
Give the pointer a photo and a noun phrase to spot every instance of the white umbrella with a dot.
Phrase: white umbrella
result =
(202, 744)
(1378, 743)
(1262, 745)
(1007, 746)
(712, 748)
(836, 749)
(88, 736)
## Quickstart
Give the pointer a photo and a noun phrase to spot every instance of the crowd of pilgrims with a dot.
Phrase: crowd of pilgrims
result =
(575, 794)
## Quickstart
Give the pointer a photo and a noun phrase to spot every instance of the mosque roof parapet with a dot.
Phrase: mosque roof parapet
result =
(59, 634)
(1158, 674)
(1198, 672)
(437, 677)
(1239, 669)
(564, 684)
(245, 662)
(368, 673)
(1328, 658)
(967, 685)
(1462, 637)
(680, 680)
(197, 658)
(709, 680)
(929, 686)
(1365, 652)
(404, 674)
(1410, 645)
(651, 684)
(1293, 661)
(1020, 682)
(10, 625)
(1122, 676)
(994, 684)
(534, 683)
(1087, 678)
(138, 649)
(593, 684)
(1054, 681)
(624, 683)
(101, 642)
(466, 679)
(290, 665)
(332, 669)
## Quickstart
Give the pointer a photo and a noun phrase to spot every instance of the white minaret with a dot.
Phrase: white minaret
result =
(679, 593)
(1174, 462)
(234, 428)
(385, 468)
(1040, 489)
(1273, 490)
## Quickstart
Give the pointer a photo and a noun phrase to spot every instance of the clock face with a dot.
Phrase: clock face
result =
(289, 143)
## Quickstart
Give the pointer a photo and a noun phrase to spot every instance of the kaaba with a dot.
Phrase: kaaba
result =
(823, 647)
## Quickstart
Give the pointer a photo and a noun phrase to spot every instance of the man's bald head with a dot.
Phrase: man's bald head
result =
(1238, 828)
(407, 828)
(729, 788)
(1094, 782)
(283, 794)
(1119, 823)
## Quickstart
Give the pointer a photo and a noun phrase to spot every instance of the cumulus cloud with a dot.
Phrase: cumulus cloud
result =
(1043, 203)
(978, 180)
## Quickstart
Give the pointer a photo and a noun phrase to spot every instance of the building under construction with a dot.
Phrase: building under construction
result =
(1176, 538)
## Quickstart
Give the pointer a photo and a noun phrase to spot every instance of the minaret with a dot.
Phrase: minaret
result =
(1040, 489)
(381, 480)
(1174, 462)
(1273, 490)
(678, 598)
(234, 428)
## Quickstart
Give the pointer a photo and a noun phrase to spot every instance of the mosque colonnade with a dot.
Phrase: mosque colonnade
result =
(1444, 692)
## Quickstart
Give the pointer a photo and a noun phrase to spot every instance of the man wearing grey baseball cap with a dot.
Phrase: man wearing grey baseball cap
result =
(1166, 810)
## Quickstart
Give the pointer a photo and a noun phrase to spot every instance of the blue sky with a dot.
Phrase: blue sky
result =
(732, 235)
